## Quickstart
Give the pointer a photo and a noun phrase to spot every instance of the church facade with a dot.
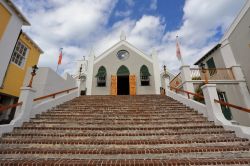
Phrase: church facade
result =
(123, 70)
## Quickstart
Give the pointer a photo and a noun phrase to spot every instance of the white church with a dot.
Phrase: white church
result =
(121, 70)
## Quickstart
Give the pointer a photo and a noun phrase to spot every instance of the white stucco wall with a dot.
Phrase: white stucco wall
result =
(234, 97)
(8, 41)
(47, 81)
(133, 63)
(239, 41)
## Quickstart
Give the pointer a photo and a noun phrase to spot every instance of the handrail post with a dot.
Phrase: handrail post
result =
(214, 111)
(26, 96)
(79, 85)
(186, 78)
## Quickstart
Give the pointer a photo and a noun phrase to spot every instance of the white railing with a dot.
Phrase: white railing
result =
(28, 106)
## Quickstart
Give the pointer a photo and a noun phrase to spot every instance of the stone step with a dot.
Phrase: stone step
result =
(131, 162)
(69, 145)
(194, 117)
(117, 114)
(117, 125)
(120, 116)
(91, 122)
(115, 128)
(222, 141)
(121, 135)
(130, 111)
(207, 151)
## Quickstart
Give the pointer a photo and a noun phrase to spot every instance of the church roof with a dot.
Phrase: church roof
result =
(127, 44)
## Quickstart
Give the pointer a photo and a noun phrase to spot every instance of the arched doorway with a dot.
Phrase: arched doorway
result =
(122, 80)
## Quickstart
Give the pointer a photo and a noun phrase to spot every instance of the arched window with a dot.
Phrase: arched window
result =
(144, 75)
(101, 77)
(122, 71)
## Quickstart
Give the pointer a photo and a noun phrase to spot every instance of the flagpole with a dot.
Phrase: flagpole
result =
(57, 68)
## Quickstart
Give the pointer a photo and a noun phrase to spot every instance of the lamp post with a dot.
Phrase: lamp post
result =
(165, 70)
(33, 73)
(80, 71)
(204, 71)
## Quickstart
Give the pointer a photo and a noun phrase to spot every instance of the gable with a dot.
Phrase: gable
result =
(236, 21)
(123, 45)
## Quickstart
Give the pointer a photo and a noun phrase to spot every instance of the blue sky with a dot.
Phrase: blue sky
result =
(81, 25)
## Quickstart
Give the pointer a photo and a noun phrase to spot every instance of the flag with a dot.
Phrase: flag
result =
(178, 51)
(60, 57)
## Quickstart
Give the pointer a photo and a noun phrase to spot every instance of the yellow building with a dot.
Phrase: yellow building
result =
(18, 52)
(26, 54)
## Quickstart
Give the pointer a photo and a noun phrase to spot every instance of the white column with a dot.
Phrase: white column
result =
(79, 85)
(26, 97)
(90, 73)
(186, 78)
(227, 54)
(156, 72)
(166, 81)
(239, 76)
(214, 111)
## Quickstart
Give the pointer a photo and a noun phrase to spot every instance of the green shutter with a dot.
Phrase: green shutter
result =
(211, 64)
(101, 72)
(144, 71)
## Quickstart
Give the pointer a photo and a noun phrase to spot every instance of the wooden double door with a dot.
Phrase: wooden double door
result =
(123, 85)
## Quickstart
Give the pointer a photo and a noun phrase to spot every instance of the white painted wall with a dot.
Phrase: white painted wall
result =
(133, 63)
(8, 41)
(47, 81)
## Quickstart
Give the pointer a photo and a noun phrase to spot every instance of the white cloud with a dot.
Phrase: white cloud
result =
(201, 22)
(123, 13)
(153, 5)
(67, 24)
(80, 25)
(130, 2)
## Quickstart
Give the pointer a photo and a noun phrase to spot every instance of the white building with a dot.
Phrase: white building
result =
(123, 70)
(233, 53)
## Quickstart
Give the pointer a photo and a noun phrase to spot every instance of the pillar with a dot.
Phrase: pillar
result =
(26, 97)
(214, 111)
(90, 73)
(186, 78)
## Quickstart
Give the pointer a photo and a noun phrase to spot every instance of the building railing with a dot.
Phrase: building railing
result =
(53, 95)
(199, 74)
(212, 74)
(4, 108)
(176, 81)
(216, 101)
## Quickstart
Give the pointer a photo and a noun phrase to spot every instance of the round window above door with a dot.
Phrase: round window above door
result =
(122, 54)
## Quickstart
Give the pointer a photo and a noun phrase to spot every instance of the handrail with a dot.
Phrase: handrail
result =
(54, 94)
(187, 92)
(211, 68)
(10, 106)
(232, 105)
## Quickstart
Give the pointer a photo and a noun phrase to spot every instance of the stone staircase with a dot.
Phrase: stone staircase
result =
(122, 130)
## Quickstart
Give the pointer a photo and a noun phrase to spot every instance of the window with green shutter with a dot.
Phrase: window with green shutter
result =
(101, 77)
(144, 75)
(211, 66)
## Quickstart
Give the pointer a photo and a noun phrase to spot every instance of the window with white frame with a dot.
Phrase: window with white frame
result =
(19, 54)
